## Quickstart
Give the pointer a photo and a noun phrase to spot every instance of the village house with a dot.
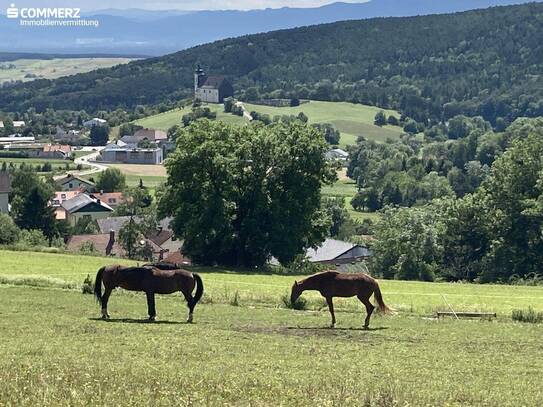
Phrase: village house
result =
(94, 122)
(56, 151)
(162, 241)
(103, 243)
(70, 136)
(112, 199)
(5, 189)
(337, 154)
(211, 89)
(71, 182)
(152, 135)
(19, 124)
(83, 206)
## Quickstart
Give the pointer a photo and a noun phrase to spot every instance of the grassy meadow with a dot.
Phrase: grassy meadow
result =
(30, 69)
(352, 120)
(247, 349)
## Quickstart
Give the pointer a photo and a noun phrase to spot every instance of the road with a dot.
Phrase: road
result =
(89, 160)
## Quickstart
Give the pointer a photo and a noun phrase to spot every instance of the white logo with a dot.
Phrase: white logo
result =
(50, 17)
(13, 12)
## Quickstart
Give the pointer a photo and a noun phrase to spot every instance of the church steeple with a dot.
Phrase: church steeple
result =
(199, 74)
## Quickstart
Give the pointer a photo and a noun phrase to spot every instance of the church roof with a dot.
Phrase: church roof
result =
(213, 82)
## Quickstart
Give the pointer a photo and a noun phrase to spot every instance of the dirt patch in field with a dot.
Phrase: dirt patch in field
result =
(339, 333)
(141, 169)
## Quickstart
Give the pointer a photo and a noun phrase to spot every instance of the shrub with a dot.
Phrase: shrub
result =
(9, 232)
(234, 301)
(33, 237)
(529, 315)
(299, 304)
(87, 287)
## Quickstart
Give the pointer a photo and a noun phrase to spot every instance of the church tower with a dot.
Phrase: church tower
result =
(199, 76)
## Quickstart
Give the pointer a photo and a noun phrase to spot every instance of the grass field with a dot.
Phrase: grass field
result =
(56, 352)
(57, 165)
(352, 120)
(30, 69)
(164, 121)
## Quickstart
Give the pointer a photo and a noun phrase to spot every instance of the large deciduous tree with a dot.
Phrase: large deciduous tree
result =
(111, 180)
(240, 195)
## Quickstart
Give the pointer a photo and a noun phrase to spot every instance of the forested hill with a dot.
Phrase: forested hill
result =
(484, 62)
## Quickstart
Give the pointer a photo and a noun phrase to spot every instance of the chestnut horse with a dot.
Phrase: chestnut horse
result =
(151, 279)
(334, 284)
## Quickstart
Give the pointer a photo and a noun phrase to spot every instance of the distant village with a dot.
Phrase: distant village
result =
(76, 197)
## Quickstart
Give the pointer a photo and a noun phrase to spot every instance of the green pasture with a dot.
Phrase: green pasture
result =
(164, 121)
(252, 351)
(352, 120)
(150, 181)
(31, 69)
(260, 288)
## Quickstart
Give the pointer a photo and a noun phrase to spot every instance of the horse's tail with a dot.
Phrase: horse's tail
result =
(98, 284)
(199, 288)
(380, 303)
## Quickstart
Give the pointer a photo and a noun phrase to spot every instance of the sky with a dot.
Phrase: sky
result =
(90, 5)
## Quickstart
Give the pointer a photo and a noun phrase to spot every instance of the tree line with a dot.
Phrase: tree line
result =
(431, 68)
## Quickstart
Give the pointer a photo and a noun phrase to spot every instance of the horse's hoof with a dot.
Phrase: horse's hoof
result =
(151, 319)
(366, 327)
(104, 317)
(332, 326)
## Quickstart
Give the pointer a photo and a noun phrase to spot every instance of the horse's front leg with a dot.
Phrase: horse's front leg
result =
(331, 308)
(151, 310)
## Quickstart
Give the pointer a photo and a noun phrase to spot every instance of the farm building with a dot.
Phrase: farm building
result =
(211, 89)
(83, 206)
(5, 189)
(72, 183)
(122, 152)
(333, 251)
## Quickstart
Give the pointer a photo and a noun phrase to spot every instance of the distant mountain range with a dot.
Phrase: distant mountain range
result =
(135, 31)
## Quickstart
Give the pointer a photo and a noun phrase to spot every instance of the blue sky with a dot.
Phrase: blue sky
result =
(168, 4)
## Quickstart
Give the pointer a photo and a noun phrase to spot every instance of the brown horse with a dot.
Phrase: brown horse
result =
(151, 279)
(333, 284)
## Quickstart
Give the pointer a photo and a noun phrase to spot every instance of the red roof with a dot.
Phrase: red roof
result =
(178, 258)
(102, 244)
(50, 148)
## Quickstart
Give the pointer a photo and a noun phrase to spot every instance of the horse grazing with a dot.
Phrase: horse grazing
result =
(333, 284)
(152, 280)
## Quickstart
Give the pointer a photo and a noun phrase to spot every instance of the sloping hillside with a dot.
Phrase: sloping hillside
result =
(484, 62)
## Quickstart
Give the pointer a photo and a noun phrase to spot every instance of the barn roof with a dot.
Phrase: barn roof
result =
(330, 249)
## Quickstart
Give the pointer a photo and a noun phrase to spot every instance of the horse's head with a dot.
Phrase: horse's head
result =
(295, 292)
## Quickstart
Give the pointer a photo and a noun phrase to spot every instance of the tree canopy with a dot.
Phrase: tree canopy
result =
(240, 195)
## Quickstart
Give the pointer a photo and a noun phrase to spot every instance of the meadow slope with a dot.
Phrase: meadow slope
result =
(352, 120)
